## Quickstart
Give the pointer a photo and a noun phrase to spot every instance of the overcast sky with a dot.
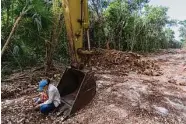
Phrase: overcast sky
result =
(177, 10)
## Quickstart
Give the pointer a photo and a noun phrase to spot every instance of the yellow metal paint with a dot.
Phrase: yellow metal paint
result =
(72, 12)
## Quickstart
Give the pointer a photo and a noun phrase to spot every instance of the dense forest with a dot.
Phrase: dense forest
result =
(33, 31)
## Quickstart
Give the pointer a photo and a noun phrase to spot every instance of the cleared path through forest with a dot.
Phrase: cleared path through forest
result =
(129, 98)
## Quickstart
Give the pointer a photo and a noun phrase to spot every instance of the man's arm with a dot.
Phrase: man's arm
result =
(50, 98)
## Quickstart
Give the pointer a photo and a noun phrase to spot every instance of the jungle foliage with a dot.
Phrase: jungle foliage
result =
(40, 35)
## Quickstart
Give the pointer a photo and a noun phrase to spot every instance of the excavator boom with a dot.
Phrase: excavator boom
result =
(76, 20)
(76, 87)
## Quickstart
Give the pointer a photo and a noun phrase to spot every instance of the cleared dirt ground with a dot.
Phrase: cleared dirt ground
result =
(130, 97)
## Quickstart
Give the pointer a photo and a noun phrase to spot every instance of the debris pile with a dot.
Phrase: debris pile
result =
(26, 82)
(20, 111)
(125, 62)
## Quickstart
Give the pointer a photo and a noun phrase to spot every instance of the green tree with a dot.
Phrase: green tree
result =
(182, 29)
(27, 40)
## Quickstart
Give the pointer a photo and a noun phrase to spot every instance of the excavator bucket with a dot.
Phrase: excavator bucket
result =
(77, 88)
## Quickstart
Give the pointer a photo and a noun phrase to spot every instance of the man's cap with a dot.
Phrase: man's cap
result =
(42, 84)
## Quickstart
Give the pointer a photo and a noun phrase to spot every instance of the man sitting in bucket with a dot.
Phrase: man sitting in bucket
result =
(53, 97)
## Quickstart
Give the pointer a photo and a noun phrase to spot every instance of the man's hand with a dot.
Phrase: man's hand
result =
(37, 107)
(35, 104)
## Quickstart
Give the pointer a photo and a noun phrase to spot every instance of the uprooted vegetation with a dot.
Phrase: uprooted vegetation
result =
(123, 96)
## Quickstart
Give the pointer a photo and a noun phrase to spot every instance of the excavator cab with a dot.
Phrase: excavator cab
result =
(77, 88)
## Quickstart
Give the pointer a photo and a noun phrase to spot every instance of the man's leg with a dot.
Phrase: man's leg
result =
(46, 108)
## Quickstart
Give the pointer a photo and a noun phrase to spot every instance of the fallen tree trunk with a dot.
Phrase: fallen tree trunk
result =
(24, 11)
(11, 33)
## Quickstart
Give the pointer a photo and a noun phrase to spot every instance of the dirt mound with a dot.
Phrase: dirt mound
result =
(125, 62)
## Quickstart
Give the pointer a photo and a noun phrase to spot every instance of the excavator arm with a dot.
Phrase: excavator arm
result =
(77, 86)
(77, 23)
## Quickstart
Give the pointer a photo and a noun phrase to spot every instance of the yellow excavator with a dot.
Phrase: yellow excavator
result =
(77, 86)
